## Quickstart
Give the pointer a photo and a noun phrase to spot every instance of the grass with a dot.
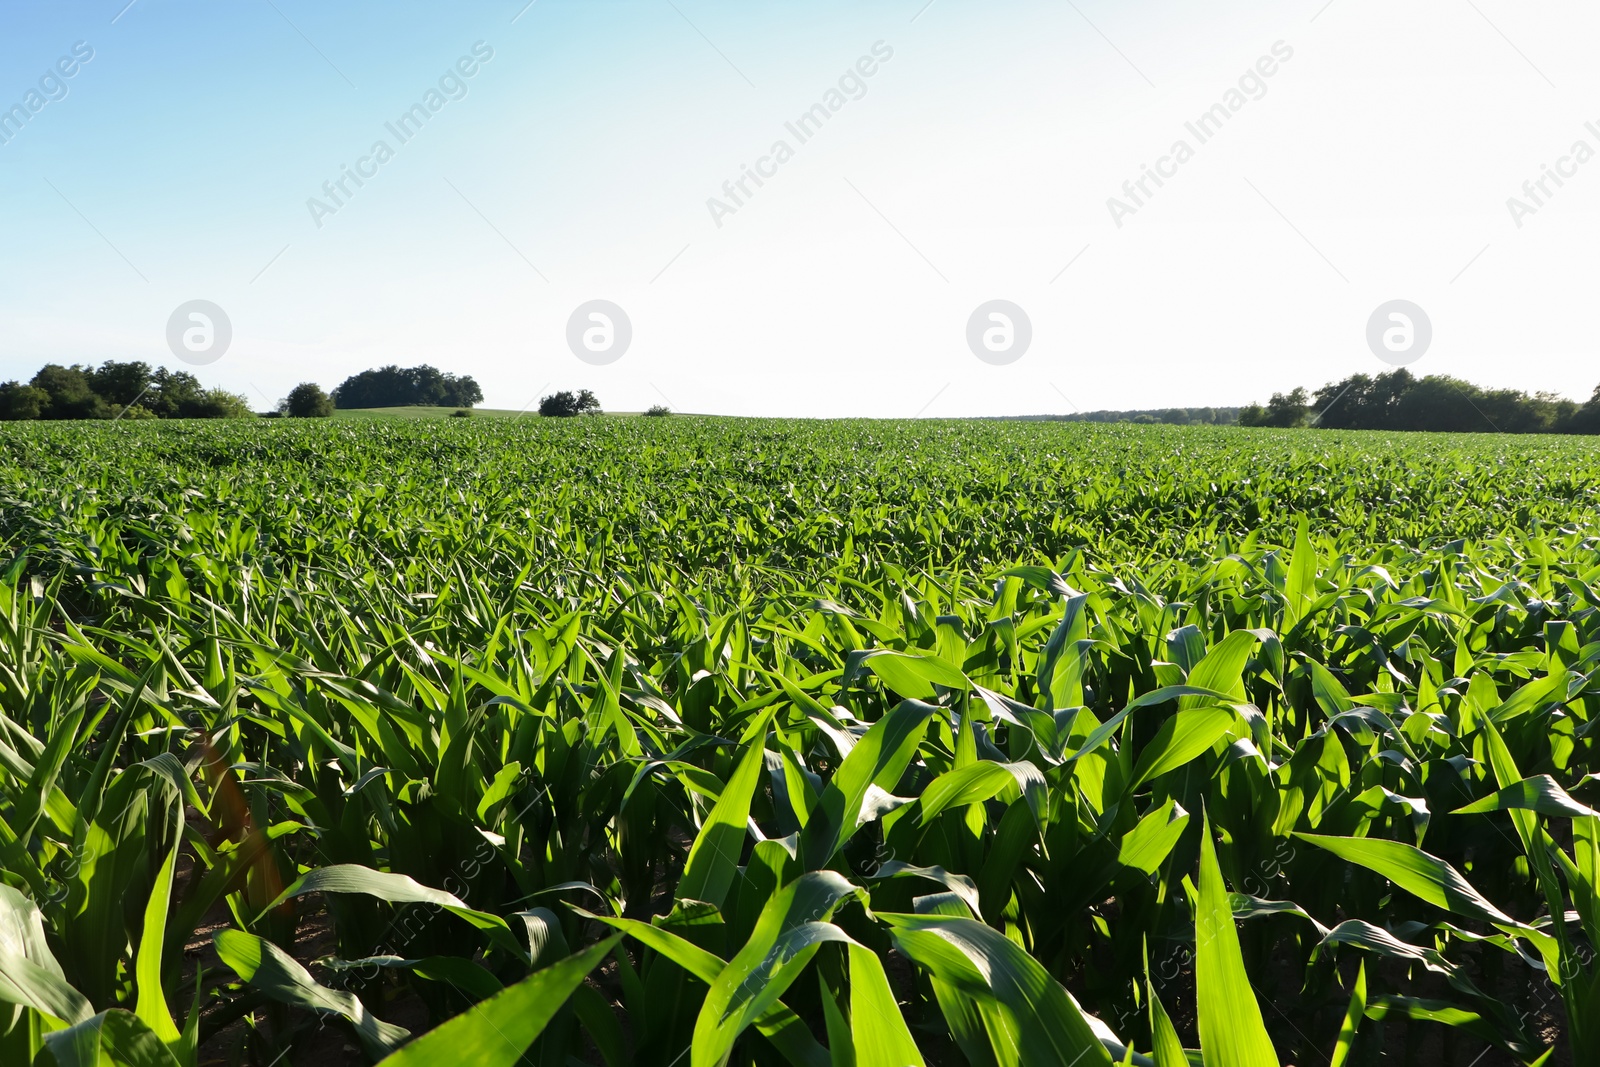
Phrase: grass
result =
(697, 741)
(425, 412)
(422, 412)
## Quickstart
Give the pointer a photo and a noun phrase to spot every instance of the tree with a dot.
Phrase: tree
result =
(1283, 410)
(20, 402)
(396, 386)
(117, 390)
(172, 393)
(1363, 403)
(1288, 409)
(70, 394)
(658, 411)
(217, 404)
(466, 393)
(306, 401)
(1587, 418)
(1446, 405)
(1252, 415)
(566, 404)
(121, 384)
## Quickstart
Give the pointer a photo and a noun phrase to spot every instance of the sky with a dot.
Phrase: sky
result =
(959, 153)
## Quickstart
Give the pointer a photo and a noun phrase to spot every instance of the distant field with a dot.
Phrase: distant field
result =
(532, 412)
(423, 413)
(883, 736)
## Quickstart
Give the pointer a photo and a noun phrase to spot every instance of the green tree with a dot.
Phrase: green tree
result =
(20, 402)
(1362, 403)
(71, 396)
(1587, 418)
(217, 404)
(171, 392)
(566, 404)
(1252, 415)
(395, 386)
(121, 384)
(1288, 409)
(306, 401)
(1446, 405)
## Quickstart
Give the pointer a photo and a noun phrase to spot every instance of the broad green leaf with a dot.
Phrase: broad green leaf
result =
(1168, 1051)
(497, 1031)
(114, 1038)
(25, 982)
(1381, 1006)
(791, 929)
(982, 781)
(879, 758)
(267, 968)
(777, 1023)
(1222, 670)
(1043, 578)
(1301, 586)
(151, 1006)
(959, 884)
(1018, 999)
(1371, 938)
(466, 976)
(22, 930)
(1353, 1017)
(1424, 876)
(1181, 693)
(913, 677)
(396, 889)
(1148, 844)
(1180, 739)
(877, 1028)
(1061, 663)
(1232, 1032)
(714, 857)
(1538, 695)
(1539, 793)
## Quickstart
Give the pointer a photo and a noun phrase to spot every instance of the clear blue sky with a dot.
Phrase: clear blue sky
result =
(974, 164)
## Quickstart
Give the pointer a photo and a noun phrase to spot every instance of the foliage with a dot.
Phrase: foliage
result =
(1397, 400)
(216, 404)
(566, 404)
(20, 402)
(70, 393)
(1167, 416)
(658, 411)
(307, 401)
(1284, 411)
(394, 386)
(116, 390)
(762, 742)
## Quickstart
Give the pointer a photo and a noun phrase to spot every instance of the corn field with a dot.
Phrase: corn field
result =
(684, 742)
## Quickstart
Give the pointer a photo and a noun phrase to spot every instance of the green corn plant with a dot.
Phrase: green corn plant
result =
(762, 742)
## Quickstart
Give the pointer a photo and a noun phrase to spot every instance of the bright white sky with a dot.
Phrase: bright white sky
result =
(977, 166)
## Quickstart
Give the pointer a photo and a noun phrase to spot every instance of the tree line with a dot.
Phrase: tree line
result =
(135, 390)
(384, 387)
(1398, 400)
(131, 390)
(396, 387)
(1152, 416)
